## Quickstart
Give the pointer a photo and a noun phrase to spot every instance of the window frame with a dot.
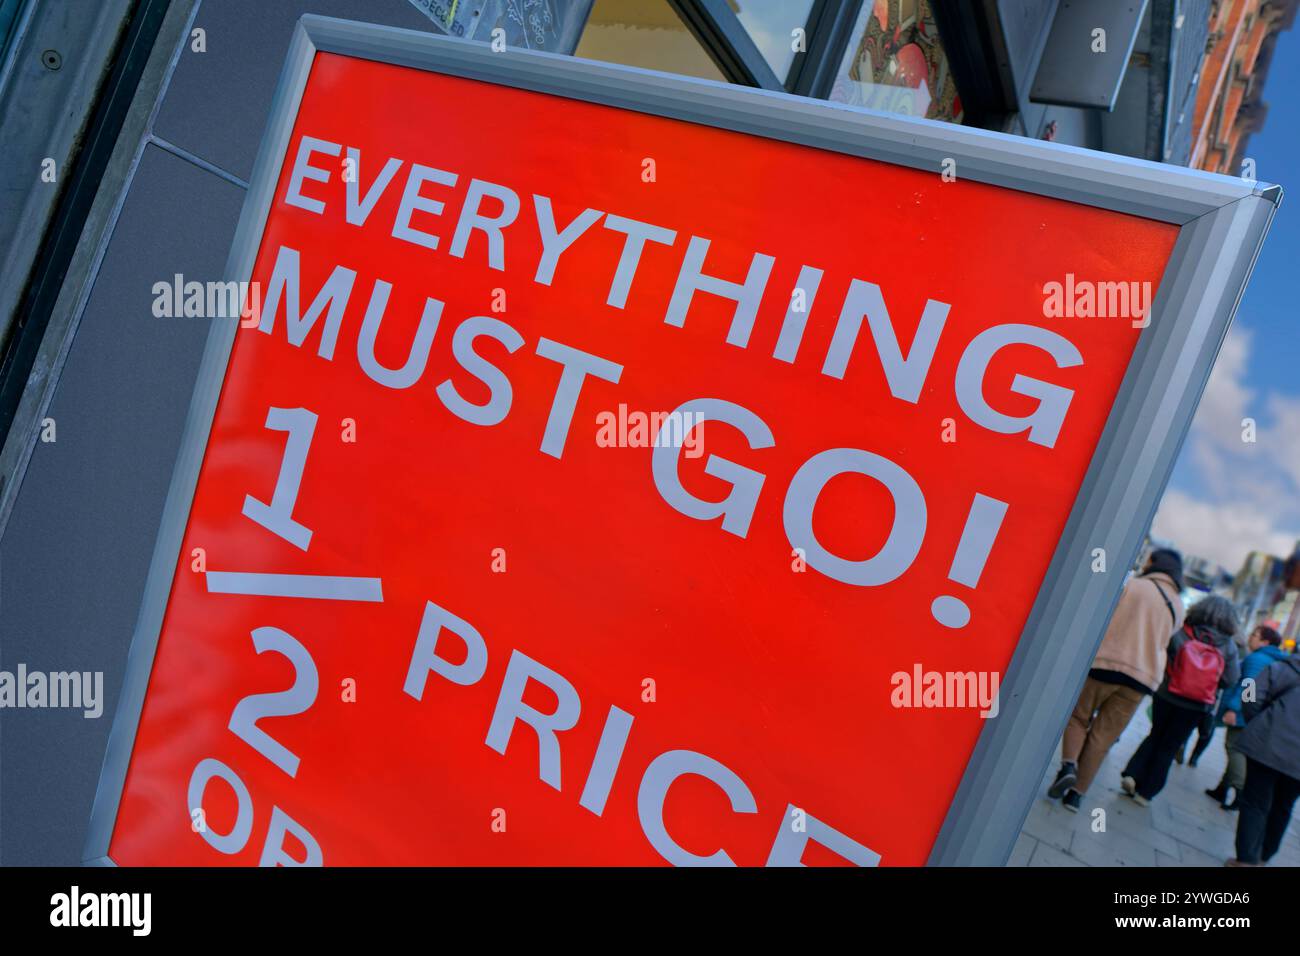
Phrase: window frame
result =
(718, 29)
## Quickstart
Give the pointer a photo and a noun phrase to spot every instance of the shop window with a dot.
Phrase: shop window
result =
(645, 33)
(895, 62)
(771, 24)
(551, 25)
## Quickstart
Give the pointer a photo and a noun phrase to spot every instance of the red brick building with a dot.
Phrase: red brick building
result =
(1229, 100)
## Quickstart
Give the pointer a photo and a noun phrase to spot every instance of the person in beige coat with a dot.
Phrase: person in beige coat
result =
(1129, 665)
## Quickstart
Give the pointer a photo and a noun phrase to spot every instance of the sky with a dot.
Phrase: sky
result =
(1228, 497)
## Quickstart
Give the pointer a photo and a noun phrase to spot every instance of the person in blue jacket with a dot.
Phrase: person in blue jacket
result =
(1265, 646)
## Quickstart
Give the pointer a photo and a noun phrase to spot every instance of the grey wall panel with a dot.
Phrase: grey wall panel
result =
(74, 555)
(1124, 129)
(1025, 25)
(1075, 72)
(1188, 50)
(217, 103)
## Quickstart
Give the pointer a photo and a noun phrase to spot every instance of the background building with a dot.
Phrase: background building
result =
(1239, 47)
(1267, 588)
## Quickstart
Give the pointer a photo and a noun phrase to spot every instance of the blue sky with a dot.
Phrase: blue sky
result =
(1228, 497)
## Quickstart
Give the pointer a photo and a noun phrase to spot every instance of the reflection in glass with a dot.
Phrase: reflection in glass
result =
(771, 25)
(551, 25)
(896, 63)
(644, 33)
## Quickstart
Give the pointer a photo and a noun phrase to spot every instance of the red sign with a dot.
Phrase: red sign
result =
(599, 488)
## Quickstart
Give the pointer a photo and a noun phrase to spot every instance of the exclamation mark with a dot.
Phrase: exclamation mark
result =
(982, 526)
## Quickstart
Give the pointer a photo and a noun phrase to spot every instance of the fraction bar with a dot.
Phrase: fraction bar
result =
(322, 587)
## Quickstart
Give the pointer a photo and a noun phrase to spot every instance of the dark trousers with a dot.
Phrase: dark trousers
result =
(1265, 810)
(1171, 725)
(1204, 734)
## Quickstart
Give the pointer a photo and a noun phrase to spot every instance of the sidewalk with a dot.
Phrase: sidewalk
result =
(1181, 827)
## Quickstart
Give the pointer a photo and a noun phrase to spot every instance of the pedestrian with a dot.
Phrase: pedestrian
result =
(1265, 645)
(1271, 743)
(1128, 666)
(1201, 660)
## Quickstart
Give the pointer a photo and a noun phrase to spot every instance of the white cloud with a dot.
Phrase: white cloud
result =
(1280, 444)
(1252, 500)
(1222, 531)
(1227, 399)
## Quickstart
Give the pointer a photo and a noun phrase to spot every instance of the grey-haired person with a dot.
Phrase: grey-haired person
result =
(1200, 663)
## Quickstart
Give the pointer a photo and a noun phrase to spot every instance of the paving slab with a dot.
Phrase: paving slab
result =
(1181, 827)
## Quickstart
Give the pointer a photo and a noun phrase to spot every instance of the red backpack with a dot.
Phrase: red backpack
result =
(1195, 670)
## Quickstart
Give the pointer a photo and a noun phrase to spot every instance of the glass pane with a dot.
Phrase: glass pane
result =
(8, 17)
(551, 25)
(644, 33)
(771, 25)
(896, 63)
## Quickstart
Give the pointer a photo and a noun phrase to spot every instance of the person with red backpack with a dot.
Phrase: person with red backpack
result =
(1201, 660)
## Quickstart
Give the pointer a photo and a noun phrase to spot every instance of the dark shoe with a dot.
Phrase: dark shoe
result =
(1178, 757)
(1066, 778)
(1192, 762)
(1219, 793)
(1071, 800)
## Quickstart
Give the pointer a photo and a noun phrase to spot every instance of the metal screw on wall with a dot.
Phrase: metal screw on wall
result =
(52, 59)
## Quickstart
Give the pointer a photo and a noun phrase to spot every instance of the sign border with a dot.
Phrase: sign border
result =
(1222, 222)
